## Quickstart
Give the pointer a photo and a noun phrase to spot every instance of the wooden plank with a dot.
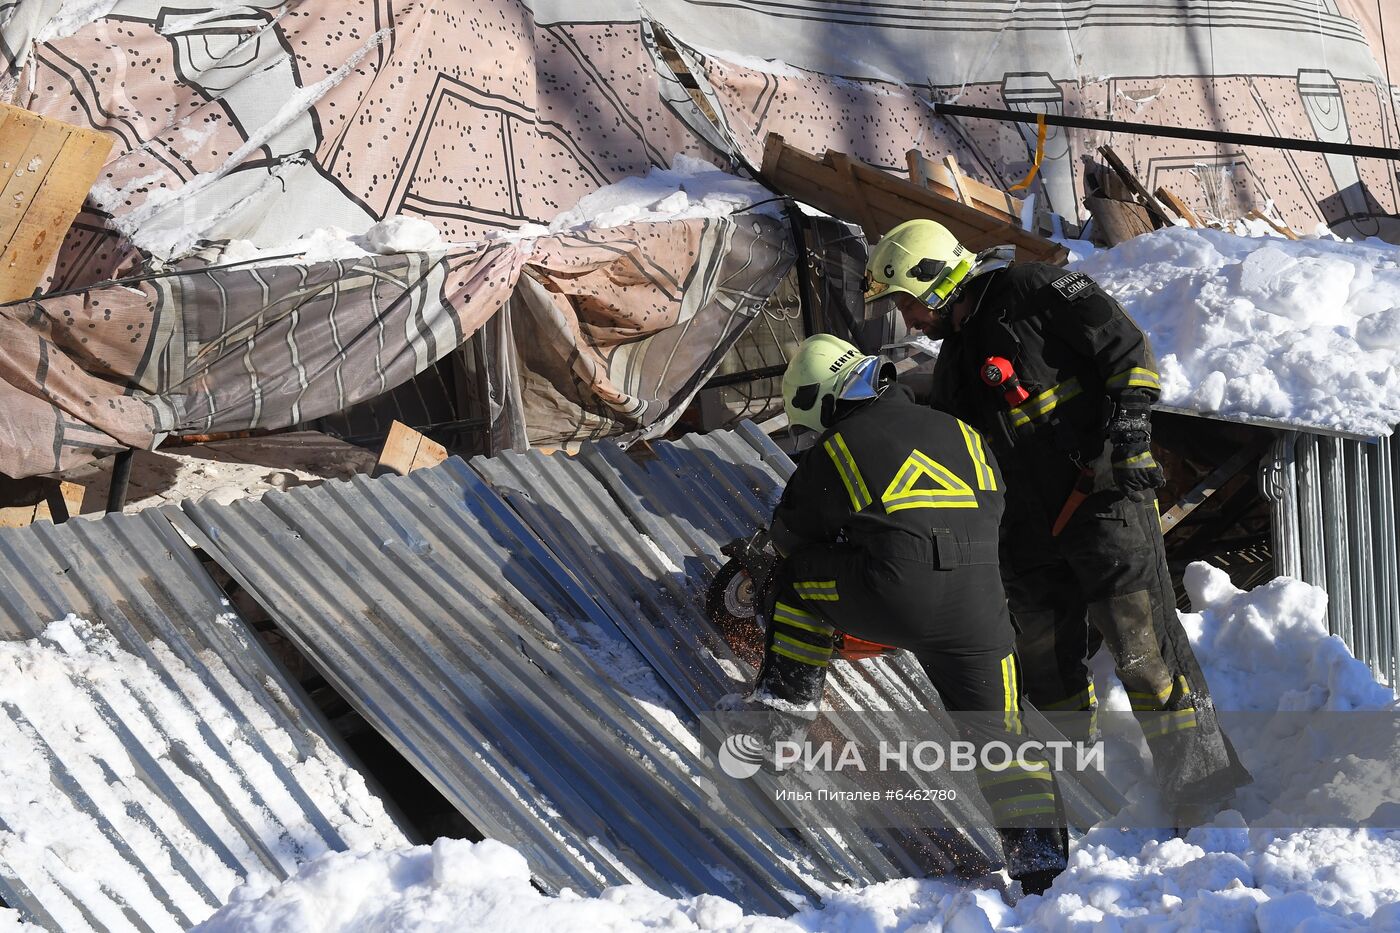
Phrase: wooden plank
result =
(1217, 478)
(1154, 209)
(1169, 198)
(1257, 214)
(19, 184)
(1117, 221)
(918, 170)
(406, 450)
(877, 200)
(848, 186)
(47, 169)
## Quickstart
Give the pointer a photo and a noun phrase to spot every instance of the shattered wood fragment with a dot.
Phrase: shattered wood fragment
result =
(1257, 214)
(406, 450)
(1117, 221)
(1154, 210)
(1169, 198)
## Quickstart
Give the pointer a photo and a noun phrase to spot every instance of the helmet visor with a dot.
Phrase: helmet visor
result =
(862, 382)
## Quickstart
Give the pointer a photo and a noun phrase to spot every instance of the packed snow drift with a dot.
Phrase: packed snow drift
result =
(1264, 651)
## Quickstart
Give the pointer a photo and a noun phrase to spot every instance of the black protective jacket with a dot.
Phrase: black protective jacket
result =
(898, 479)
(1075, 351)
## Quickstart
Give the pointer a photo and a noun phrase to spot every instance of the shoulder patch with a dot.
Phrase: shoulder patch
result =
(1072, 286)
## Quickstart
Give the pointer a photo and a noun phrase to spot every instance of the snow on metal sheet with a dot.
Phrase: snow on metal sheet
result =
(540, 723)
(155, 756)
(656, 596)
(704, 490)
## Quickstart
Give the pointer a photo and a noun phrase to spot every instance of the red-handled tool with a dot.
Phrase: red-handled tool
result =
(998, 374)
(1083, 485)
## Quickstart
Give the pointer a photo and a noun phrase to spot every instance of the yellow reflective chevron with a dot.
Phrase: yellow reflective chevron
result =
(846, 468)
(951, 492)
(986, 476)
(1038, 406)
(1137, 377)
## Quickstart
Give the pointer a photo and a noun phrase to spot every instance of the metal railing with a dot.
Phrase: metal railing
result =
(1334, 525)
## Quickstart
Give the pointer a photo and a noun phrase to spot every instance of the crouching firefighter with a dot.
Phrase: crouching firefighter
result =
(888, 529)
(1061, 383)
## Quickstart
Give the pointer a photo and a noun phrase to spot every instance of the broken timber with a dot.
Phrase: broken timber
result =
(406, 450)
(876, 200)
(46, 170)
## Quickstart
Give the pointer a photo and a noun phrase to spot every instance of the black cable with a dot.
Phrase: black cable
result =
(1176, 132)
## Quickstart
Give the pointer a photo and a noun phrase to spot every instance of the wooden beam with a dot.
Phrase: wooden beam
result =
(1135, 186)
(877, 200)
(406, 450)
(1217, 478)
(1170, 199)
(1257, 214)
(46, 170)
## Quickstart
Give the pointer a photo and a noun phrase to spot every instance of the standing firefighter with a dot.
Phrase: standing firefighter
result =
(1061, 382)
(889, 527)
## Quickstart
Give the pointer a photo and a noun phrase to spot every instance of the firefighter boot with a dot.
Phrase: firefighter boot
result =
(1035, 856)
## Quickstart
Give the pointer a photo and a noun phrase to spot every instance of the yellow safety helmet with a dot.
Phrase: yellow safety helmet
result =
(920, 258)
(824, 370)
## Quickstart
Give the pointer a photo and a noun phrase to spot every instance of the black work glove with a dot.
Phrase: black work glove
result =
(1130, 433)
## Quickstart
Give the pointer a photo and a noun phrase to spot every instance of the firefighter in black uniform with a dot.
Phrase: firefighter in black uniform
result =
(1061, 383)
(889, 531)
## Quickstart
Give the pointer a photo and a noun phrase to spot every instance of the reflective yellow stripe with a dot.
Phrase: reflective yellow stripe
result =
(786, 615)
(1172, 722)
(1011, 719)
(1023, 805)
(1016, 774)
(953, 491)
(1041, 405)
(817, 590)
(850, 474)
(1080, 701)
(1142, 696)
(986, 476)
(1143, 459)
(1137, 377)
(800, 651)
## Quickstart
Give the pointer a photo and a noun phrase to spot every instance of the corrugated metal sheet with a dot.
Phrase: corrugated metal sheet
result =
(1333, 504)
(531, 714)
(699, 493)
(655, 596)
(186, 809)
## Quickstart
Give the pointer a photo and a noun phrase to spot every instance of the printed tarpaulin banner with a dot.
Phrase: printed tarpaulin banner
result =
(204, 350)
(269, 120)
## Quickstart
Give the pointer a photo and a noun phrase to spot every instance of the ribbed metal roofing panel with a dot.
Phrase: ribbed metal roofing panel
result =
(195, 774)
(656, 596)
(530, 713)
(704, 490)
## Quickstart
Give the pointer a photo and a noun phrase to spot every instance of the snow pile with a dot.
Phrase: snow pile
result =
(1264, 651)
(689, 189)
(1304, 331)
(63, 763)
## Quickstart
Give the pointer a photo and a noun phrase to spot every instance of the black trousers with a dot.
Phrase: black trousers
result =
(955, 622)
(1104, 580)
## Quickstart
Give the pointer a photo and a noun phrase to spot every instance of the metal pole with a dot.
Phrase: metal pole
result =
(1176, 132)
(121, 475)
